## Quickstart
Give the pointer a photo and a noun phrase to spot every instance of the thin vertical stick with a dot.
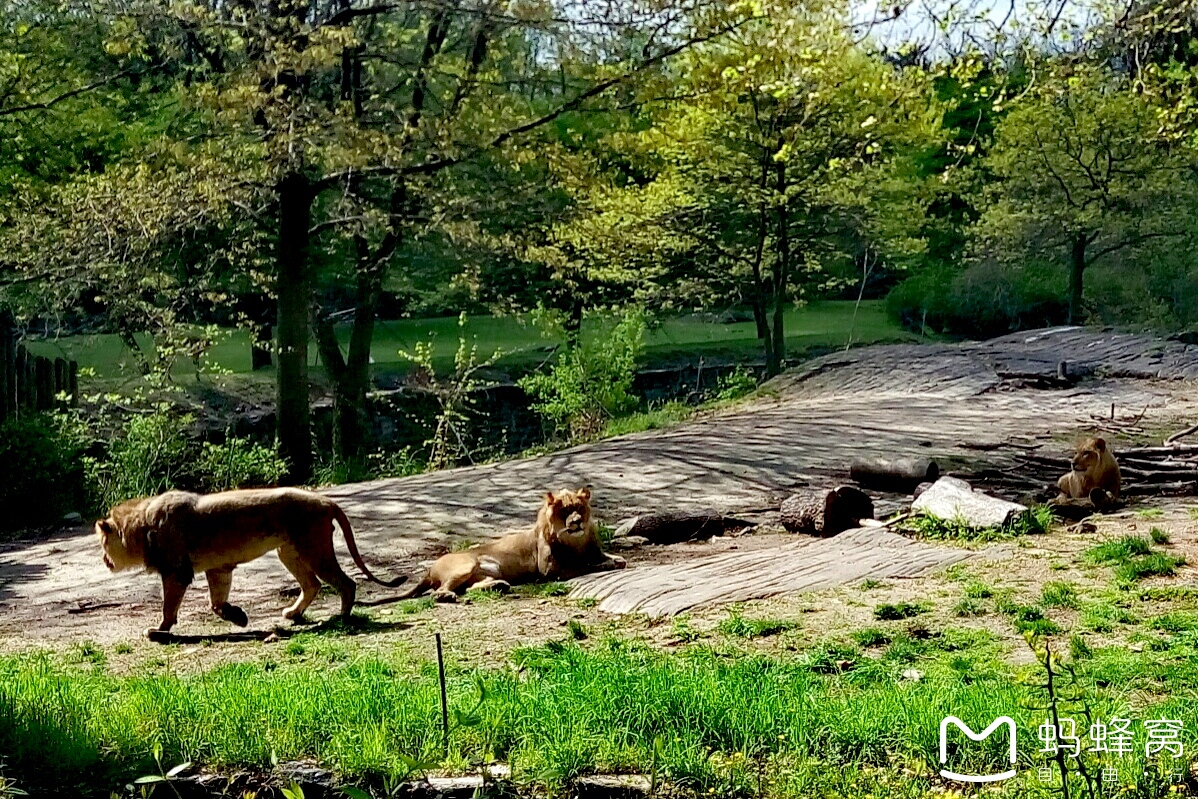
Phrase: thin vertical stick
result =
(444, 699)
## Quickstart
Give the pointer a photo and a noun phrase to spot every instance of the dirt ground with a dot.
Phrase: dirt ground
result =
(803, 429)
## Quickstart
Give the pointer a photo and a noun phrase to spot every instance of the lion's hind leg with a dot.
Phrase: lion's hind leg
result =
(306, 577)
(492, 584)
(219, 583)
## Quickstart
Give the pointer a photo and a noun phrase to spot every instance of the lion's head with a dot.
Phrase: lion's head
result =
(122, 536)
(1089, 455)
(566, 512)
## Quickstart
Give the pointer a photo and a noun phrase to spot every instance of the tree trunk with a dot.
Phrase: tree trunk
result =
(777, 344)
(573, 323)
(294, 416)
(350, 375)
(1076, 271)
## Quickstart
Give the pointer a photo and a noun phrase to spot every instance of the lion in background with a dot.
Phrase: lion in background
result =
(563, 543)
(1093, 467)
(179, 533)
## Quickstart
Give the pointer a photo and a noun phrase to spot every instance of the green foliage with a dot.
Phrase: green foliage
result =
(1034, 522)
(738, 383)
(1158, 536)
(736, 624)
(1156, 564)
(42, 473)
(1059, 595)
(898, 610)
(1119, 550)
(870, 637)
(154, 453)
(591, 382)
(981, 301)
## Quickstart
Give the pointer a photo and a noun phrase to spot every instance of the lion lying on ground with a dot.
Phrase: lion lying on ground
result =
(178, 534)
(1094, 467)
(563, 543)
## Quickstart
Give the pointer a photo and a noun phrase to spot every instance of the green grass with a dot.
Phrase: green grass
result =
(818, 324)
(1120, 550)
(1036, 521)
(1156, 564)
(737, 625)
(824, 722)
(898, 610)
(1059, 595)
(1158, 536)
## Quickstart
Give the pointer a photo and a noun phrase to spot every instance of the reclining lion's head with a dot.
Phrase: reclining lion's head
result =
(123, 536)
(566, 512)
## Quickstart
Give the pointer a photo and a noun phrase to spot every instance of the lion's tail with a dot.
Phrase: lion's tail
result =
(416, 590)
(348, 532)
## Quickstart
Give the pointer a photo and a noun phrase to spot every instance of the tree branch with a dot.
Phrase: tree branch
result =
(47, 104)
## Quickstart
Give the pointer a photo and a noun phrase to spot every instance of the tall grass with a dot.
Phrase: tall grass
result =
(556, 712)
(709, 720)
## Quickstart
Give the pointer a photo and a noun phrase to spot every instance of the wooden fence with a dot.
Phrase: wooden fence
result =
(31, 382)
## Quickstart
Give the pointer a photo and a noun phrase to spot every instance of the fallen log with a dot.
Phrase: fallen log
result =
(673, 528)
(1179, 489)
(903, 474)
(826, 512)
(955, 500)
(1189, 431)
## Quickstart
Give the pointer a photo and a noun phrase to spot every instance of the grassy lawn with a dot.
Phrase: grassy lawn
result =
(820, 324)
(830, 694)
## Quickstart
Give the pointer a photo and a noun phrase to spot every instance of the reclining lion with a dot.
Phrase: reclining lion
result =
(1093, 467)
(178, 534)
(563, 543)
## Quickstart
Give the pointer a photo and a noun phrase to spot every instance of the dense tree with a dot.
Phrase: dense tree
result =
(779, 149)
(1079, 177)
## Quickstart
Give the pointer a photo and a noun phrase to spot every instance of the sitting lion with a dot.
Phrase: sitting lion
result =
(563, 543)
(178, 534)
(1094, 467)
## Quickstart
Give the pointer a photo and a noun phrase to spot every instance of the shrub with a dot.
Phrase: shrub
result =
(591, 381)
(41, 469)
(983, 300)
(740, 382)
(154, 453)
(238, 463)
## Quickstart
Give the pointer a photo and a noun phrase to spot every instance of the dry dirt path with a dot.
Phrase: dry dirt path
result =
(808, 428)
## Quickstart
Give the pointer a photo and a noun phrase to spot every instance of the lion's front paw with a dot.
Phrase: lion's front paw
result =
(616, 562)
(445, 596)
(159, 636)
(234, 615)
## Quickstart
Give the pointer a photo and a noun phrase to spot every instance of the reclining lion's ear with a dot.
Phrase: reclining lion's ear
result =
(585, 493)
(549, 500)
(1100, 443)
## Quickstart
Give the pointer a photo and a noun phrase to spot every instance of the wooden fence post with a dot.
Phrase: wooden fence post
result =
(6, 368)
(24, 380)
(73, 382)
(60, 378)
(45, 383)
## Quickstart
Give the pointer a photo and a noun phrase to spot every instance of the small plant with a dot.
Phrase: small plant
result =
(1079, 649)
(969, 607)
(1175, 622)
(1117, 551)
(740, 382)
(1059, 595)
(163, 775)
(870, 584)
(541, 589)
(591, 382)
(1158, 536)
(576, 630)
(898, 610)
(455, 395)
(1156, 564)
(870, 637)
(737, 625)
(1149, 513)
(1034, 522)
(975, 589)
(682, 630)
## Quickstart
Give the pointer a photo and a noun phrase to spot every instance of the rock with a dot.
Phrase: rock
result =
(673, 528)
(913, 675)
(628, 542)
(612, 786)
(902, 474)
(951, 499)
(72, 519)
